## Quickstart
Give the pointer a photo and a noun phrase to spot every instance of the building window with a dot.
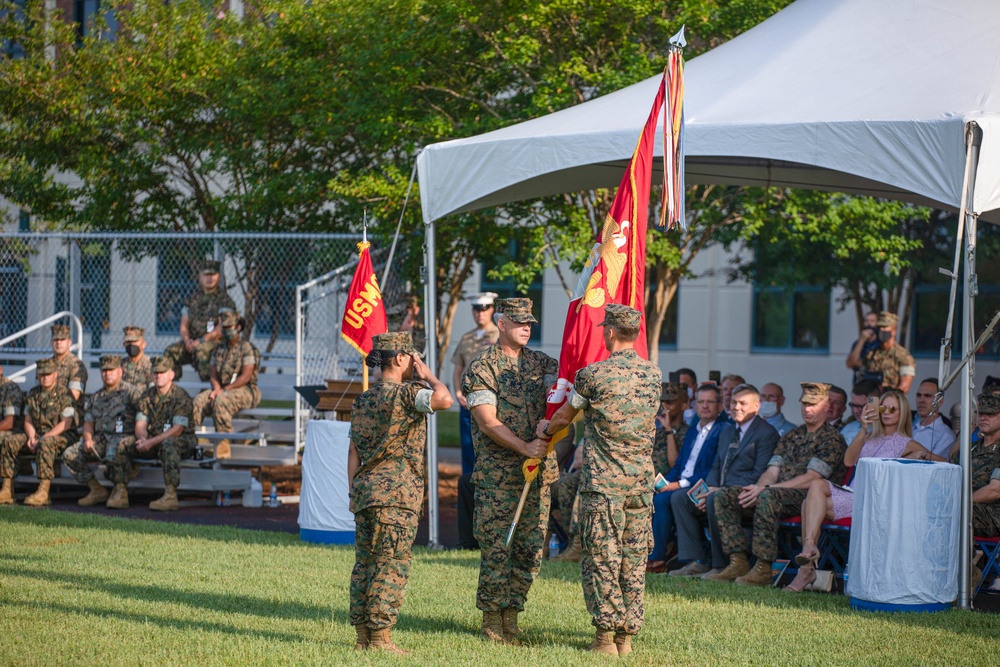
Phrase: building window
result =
(506, 289)
(94, 289)
(13, 300)
(23, 221)
(791, 320)
(85, 13)
(11, 49)
(174, 281)
(276, 295)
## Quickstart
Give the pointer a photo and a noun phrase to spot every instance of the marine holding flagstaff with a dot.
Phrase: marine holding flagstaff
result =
(385, 467)
(620, 397)
(505, 389)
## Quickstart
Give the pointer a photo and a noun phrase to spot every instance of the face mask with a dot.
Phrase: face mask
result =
(231, 334)
(690, 393)
(132, 350)
(768, 409)
(884, 336)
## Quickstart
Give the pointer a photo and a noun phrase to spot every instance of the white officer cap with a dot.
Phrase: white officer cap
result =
(483, 298)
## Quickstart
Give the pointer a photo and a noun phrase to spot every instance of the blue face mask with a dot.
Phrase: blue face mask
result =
(768, 409)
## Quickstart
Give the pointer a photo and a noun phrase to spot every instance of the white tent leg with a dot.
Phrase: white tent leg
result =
(430, 322)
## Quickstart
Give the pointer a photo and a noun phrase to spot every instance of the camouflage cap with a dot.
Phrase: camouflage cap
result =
(518, 309)
(133, 334)
(229, 318)
(109, 362)
(162, 364)
(45, 366)
(814, 392)
(887, 319)
(619, 315)
(60, 331)
(989, 404)
(672, 391)
(210, 266)
(394, 341)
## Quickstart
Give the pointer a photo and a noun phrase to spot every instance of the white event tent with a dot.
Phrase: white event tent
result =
(873, 97)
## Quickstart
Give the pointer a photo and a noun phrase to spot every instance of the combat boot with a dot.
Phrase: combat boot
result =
(573, 553)
(7, 492)
(98, 494)
(760, 575)
(738, 566)
(492, 627)
(222, 449)
(40, 497)
(604, 642)
(119, 498)
(511, 633)
(381, 640)
(364, 637)
(623, 642)
(167, 502)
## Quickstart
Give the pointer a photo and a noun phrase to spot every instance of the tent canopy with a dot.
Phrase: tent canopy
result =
(862, 96)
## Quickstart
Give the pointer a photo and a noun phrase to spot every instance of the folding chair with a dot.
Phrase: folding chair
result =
(991, 548)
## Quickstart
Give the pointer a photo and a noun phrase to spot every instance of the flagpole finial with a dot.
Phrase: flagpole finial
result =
(364, 227)
(678, 39)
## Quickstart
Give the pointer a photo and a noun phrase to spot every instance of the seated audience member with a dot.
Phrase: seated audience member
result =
(670, 426)
(687, 377)
(812, 451)
(694, 463)
(772, 399)
(859, 399)
(889, 438)
(929, 428)
(729, 382)
(745, 448)
(837, 405)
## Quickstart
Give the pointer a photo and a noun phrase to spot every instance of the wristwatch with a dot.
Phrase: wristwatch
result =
(671, 431)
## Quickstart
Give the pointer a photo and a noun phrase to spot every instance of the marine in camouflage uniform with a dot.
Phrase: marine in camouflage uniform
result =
(48, 429)
(671, 393)
(620, 397)
(985, 466)
(71, 371)
(162, 408)
(798, 452)
(231, 391)
(109, 418)
(388, 439)
(136, 367)
(517, 389)
(893, 362)
(11, 411)
(200, 316)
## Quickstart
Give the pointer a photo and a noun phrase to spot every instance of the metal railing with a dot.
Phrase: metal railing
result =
(76, 347)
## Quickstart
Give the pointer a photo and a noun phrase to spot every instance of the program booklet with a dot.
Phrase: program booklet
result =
(699, 488)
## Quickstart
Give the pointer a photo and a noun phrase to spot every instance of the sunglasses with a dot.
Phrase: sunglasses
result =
(888, 409)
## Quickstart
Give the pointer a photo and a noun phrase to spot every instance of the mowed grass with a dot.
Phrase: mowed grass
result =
(90, 590)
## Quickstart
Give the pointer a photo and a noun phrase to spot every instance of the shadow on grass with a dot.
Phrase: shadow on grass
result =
(235, 604)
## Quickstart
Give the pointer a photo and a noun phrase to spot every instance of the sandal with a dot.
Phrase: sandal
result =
(805, 576)
(811, 559)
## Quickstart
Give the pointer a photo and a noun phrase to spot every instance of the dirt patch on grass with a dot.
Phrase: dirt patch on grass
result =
(289, 480)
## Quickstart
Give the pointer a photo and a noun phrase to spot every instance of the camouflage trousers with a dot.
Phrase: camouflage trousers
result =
(170, 453)
(225, 405)
(616, 535)
(201, 359)
(506, 573)
(46, 452)
(566, 495)
(772, 506)
(383, 549)
(986, 519)
(77, 459)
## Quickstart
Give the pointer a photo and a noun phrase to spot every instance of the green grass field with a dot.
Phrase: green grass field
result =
(89, 590)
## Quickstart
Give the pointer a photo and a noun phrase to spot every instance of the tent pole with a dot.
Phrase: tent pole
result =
(973, 140)
(430, 324)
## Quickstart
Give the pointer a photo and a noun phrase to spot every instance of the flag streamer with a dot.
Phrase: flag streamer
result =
(672, 211)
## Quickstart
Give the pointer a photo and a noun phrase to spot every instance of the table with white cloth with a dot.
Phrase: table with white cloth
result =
(324, 505)
(904, 535)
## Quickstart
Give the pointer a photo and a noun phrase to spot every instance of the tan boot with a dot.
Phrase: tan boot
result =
(98, 494)
(492, 627)
(511, 633)
(40, 497)
(364, 637)
(604, 642)
(119, 498)
(167, 502)
(738, 566)
(222, 449)
(573, 553)
(7, 492)
(760, 575)
(624, 643)
(381, 640)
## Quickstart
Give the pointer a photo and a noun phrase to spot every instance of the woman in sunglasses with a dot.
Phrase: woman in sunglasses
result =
(886, 432)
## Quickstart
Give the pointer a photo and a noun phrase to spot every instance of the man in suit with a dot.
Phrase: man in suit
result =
(693, 463)
(744, 449)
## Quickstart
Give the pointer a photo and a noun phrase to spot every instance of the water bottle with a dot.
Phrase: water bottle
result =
(553, 546)
(272, 499)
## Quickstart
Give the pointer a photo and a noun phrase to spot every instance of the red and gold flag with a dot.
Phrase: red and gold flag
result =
(364, 314)
(615, 272)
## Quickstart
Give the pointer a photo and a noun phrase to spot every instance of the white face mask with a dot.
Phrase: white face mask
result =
(768, 409)
(690, 393)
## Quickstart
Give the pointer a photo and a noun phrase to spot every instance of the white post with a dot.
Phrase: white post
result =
(298, 367)
(430, 322)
